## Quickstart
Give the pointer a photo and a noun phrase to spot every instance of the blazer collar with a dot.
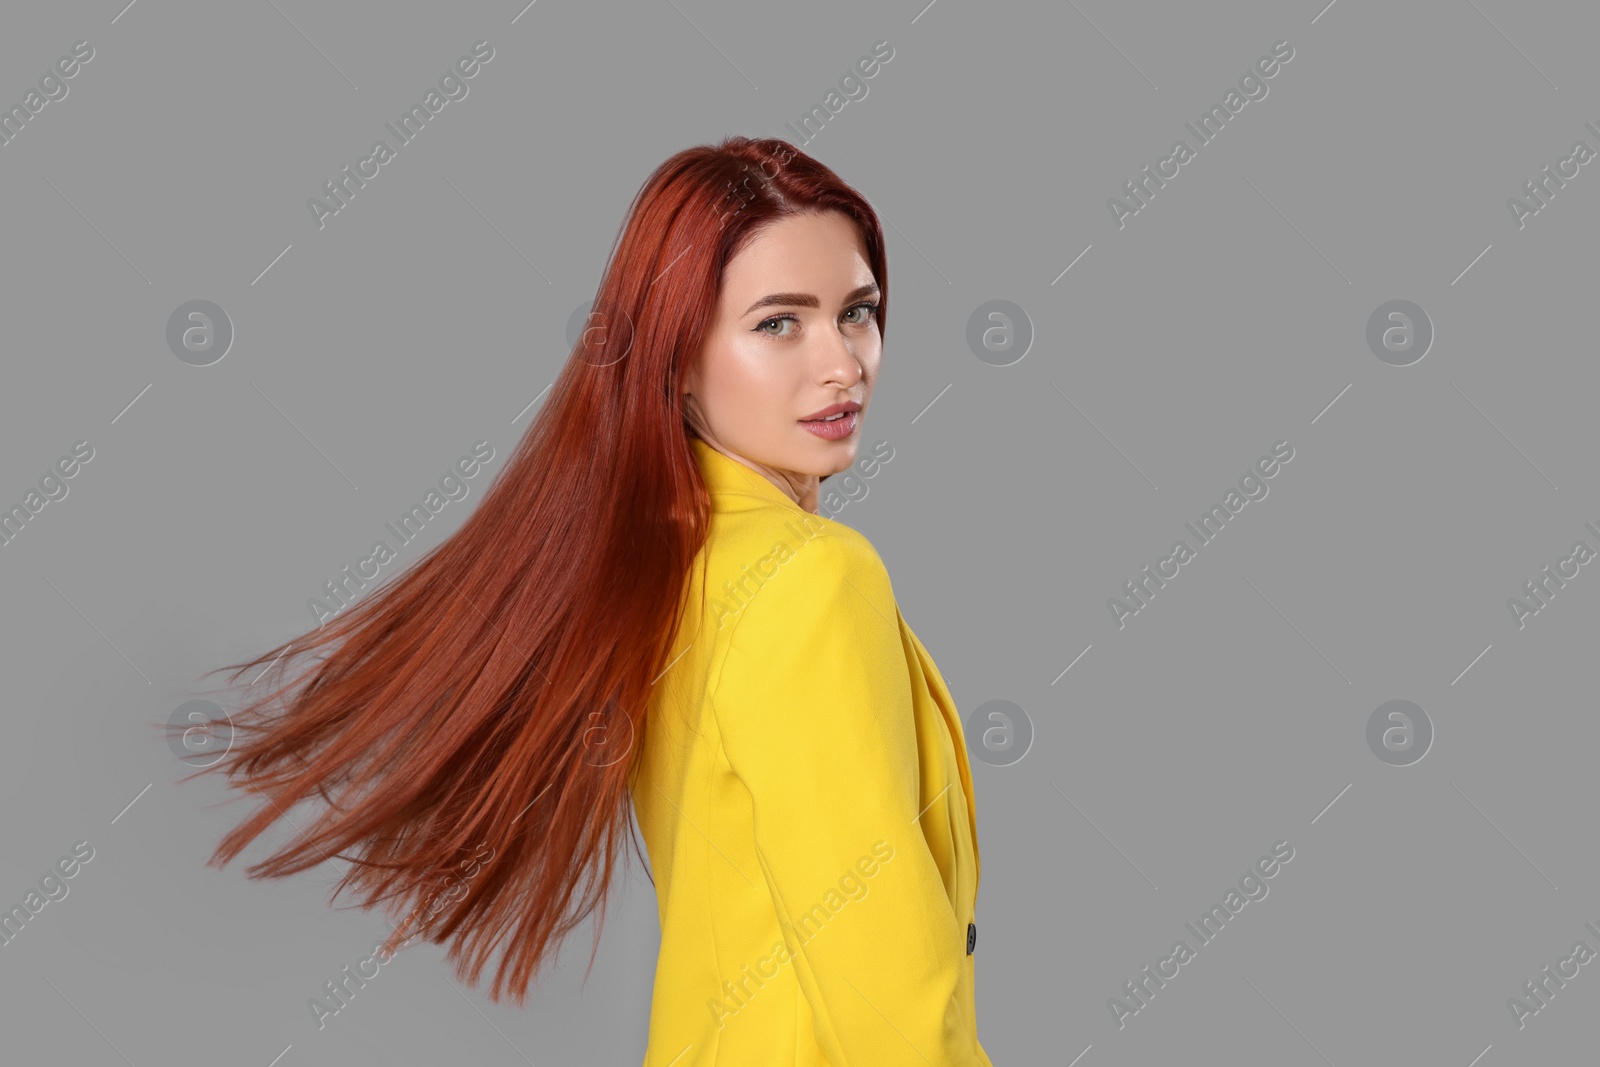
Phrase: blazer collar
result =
(723, 474)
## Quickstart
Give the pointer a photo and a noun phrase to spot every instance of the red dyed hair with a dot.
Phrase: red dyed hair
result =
(495, 693)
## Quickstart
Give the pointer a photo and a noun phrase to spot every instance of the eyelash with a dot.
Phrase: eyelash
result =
(873, 308)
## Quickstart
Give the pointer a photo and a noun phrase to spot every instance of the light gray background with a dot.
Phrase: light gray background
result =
(1227, 315)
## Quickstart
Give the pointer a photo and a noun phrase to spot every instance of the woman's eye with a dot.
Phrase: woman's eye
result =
(762, 328)
(871, 309)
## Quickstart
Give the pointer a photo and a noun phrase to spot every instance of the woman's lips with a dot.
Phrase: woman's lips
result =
(835, 429)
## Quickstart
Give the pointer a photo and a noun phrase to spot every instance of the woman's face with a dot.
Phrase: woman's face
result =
(795, 333)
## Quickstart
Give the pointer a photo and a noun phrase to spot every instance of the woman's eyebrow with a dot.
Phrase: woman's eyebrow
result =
(807, 300)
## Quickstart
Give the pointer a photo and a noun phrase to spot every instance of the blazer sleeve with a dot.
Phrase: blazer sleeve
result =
(814, 707)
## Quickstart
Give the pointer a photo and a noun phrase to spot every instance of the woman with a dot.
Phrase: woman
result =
(645, 607)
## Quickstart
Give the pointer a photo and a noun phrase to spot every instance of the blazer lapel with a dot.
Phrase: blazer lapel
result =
(952, 721)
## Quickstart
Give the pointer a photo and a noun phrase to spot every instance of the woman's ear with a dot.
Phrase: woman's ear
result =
(691, 414)
(688, 387)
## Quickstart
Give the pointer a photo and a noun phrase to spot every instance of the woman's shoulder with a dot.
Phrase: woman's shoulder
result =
(791, 563)
(737, 540)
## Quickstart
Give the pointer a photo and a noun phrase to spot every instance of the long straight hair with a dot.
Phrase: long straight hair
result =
(488, 704)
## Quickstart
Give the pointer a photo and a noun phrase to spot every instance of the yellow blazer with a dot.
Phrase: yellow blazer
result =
(804, 796)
